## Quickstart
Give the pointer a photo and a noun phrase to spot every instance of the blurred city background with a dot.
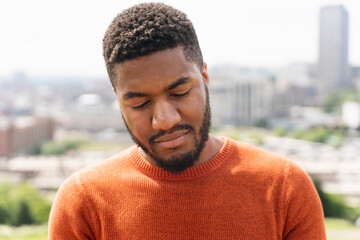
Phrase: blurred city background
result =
(284, 75)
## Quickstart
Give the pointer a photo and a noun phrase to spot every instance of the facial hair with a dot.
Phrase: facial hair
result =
(180, 162)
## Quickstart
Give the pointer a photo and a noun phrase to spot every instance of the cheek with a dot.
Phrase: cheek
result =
(196, 107)
(138, 123)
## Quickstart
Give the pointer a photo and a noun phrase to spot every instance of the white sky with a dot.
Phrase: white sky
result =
(63, 37)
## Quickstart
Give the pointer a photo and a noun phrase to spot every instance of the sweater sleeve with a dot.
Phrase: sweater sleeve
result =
(70, 215)
(304, 217)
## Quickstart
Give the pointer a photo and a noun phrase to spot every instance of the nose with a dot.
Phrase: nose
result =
(165, 115)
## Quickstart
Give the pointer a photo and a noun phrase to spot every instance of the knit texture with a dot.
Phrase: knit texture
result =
(241, 193)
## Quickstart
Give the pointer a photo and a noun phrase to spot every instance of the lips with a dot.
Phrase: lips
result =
(173, 139)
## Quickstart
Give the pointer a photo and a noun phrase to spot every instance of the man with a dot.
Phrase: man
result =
(178, 182)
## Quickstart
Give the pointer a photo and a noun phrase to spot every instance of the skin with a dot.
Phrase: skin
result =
(158, 94)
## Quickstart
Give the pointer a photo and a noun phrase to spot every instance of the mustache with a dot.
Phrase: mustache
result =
(171, 130)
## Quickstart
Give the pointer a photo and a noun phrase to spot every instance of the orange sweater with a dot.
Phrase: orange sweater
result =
(241, 193)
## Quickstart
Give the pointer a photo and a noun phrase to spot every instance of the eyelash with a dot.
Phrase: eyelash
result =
(182, 94)
(173, 95)
(138, 107)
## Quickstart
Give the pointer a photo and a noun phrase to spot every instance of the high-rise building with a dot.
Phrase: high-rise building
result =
(333, 50)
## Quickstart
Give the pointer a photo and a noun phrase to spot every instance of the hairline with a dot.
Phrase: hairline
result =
(185, 50)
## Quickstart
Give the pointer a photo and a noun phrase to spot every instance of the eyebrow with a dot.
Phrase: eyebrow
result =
(130, 95)
(178, 82)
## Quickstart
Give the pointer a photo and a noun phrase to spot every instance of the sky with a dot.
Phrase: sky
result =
(64, 37)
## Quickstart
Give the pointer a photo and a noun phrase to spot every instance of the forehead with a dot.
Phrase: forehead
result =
(157, 68)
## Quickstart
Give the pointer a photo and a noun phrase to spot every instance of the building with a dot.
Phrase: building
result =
(23, 134)
(289, 95)
(90, 112)
(355, 76)
(241, 99)
(333, 68)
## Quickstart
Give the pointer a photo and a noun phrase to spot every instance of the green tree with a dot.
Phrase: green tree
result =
(23, 215)
(298, 133)
(326, 135)
(58, 148)
(22, 204)
(280, 131)
(261, 123)
(335, 100)
(4, 216)
(334, 205)
(319, 134)
(6, 203)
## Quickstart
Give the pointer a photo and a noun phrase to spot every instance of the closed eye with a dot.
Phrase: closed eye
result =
(181, 93)
(140, 106)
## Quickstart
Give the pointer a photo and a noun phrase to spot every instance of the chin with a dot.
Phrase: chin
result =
(181, 160)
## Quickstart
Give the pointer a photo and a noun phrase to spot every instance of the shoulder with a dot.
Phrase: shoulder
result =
(302, 210)
(270, 164)
(88, 181)
(98, 174)
(108, 168)
(72, 212)
(266, 166)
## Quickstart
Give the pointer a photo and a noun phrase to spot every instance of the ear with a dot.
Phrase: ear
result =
(205, 74)
(114, 90)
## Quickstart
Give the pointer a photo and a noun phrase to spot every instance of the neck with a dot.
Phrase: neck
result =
(212, 147)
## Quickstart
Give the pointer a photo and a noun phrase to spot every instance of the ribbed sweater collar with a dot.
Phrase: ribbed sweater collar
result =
(194, 172)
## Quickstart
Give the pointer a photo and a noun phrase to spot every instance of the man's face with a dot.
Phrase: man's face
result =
(164, 103)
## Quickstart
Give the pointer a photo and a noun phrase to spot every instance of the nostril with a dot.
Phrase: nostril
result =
(164, 123)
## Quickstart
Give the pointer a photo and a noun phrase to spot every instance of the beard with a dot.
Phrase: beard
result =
(182, 161)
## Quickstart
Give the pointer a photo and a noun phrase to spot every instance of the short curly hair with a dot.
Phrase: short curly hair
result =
(147, 28)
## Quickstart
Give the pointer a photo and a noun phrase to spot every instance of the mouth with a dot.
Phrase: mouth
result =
(172, 140)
